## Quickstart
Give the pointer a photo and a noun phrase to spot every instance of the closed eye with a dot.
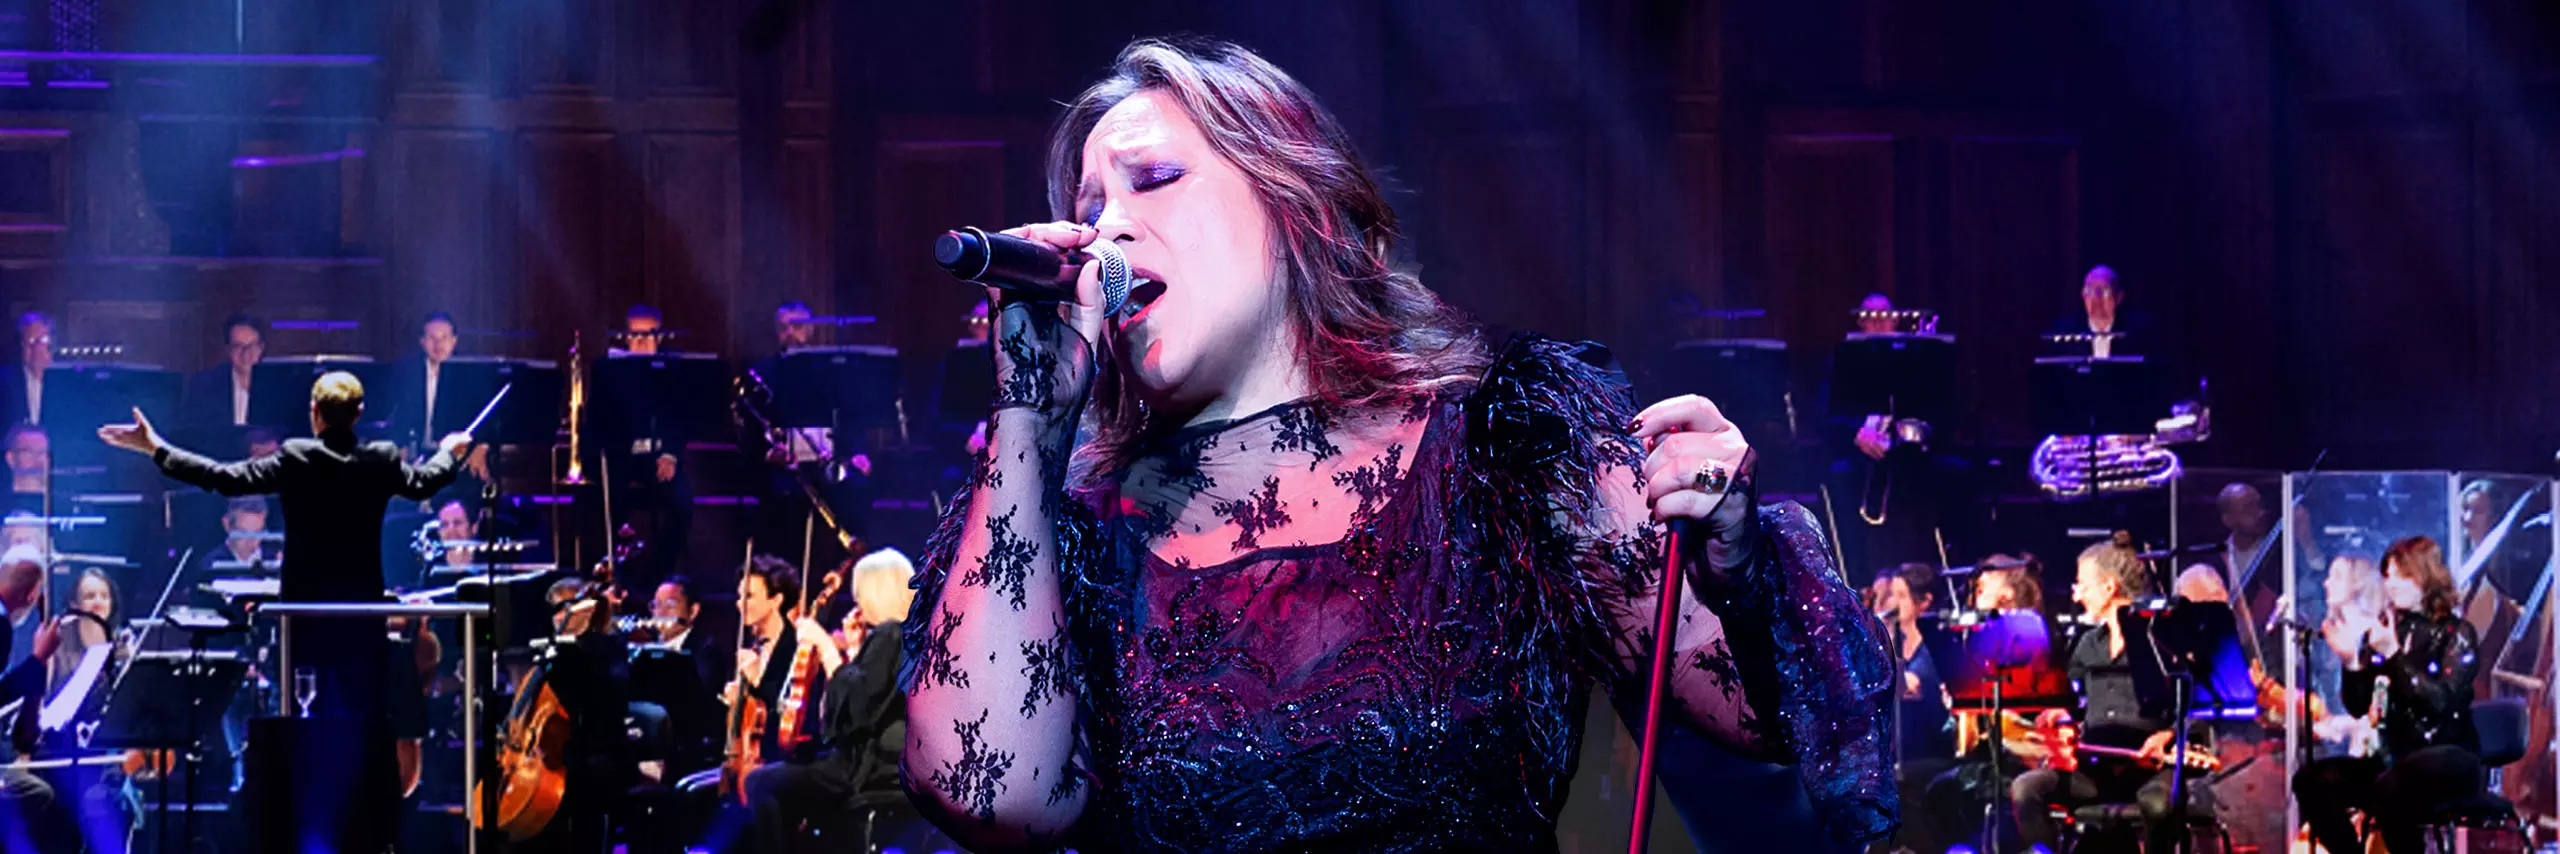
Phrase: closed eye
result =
(1154, 175)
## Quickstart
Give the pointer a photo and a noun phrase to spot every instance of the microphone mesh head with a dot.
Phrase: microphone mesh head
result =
(1114, 275)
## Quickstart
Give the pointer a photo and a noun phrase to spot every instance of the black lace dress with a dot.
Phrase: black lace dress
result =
(1364, 631)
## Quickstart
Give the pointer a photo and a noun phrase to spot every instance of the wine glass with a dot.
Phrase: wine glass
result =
(306, 687)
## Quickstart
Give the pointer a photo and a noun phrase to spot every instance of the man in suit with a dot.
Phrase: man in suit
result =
(22, 401)
(218, 396)
(337, 486)
(418, 402)
(2110, 329)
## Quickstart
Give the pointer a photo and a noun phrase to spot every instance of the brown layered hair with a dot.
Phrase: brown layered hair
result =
(2422, 560)
(1366, 333)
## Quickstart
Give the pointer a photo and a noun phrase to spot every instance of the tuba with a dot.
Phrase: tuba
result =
(2086, 466)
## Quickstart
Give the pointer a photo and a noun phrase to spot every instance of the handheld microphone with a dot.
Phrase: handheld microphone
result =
(1031, 269)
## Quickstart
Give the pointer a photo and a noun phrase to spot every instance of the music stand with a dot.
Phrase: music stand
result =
(85, 395)
(280, 388)
(2000, 662)
(529, 416)
(2088, 396)
(654, 396)
(848, 388)
(1905, 376)
(138, 716)
(672, 679)
(1746, 377)
(2191, 666)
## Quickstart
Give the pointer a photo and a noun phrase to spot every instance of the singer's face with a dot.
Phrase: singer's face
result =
(2401, 587)
(1189, 220)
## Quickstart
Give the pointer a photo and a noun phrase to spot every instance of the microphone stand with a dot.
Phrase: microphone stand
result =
(1666, 623)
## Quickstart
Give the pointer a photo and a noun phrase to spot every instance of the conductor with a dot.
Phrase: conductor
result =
(335, 488)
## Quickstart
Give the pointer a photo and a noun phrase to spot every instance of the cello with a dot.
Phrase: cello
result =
(532, 773)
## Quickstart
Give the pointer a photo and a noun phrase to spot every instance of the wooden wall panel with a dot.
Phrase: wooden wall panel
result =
(1829, 238)
(2011, 220)
(924, 187)
(688, 47)
(576, 197)
(567, 47)
(36, 203)
(1509, 232)
(2381, 216)
(444, 219)
(689, 237)
(808, 202)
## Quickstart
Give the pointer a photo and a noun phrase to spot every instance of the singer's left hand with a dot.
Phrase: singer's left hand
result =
(1693, 459)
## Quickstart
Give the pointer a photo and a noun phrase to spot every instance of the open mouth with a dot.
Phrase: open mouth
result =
(1142, 297)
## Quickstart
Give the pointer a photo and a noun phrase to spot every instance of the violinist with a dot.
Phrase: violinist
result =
(771, 639)
(27, 803)
(862, 721)
(768, 600)
(674, 602)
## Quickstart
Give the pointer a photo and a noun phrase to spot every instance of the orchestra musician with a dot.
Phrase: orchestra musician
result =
(339, 487)
(244, 532)
(2111, 329)
(1927, 743)
(862, 720)
(22, 401)
(645, 460)
(2430, 750)
(806, 453)
(587, 666)
(416, 400)
(674, 600)
(2111, 577)
(38, 820)
(219, 395)
(2009, 584)
(1958, 798)
(30, 456)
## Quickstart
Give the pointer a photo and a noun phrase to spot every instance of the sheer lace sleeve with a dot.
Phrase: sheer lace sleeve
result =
(1774, 657)
(992, 735)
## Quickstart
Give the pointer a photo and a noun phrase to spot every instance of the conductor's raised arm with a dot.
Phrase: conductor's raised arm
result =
(257, 476)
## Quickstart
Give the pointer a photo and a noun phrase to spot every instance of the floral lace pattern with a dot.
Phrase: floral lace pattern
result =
(1358, 631)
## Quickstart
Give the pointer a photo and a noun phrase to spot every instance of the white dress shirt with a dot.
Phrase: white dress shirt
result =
(35, 396)
(427, 425)
(239, 400)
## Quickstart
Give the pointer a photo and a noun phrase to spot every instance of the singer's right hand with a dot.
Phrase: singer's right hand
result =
(1045, 352)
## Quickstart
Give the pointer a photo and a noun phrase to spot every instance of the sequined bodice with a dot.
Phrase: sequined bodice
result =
(1295, 652)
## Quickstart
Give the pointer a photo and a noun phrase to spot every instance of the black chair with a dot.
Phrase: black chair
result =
(866, 824)
(2097, 825)
(2502, 724)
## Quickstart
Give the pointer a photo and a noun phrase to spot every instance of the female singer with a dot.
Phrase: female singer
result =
(1335, 569)
(2430, 751)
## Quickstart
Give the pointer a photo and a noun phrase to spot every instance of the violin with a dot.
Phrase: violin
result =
(808, 677)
